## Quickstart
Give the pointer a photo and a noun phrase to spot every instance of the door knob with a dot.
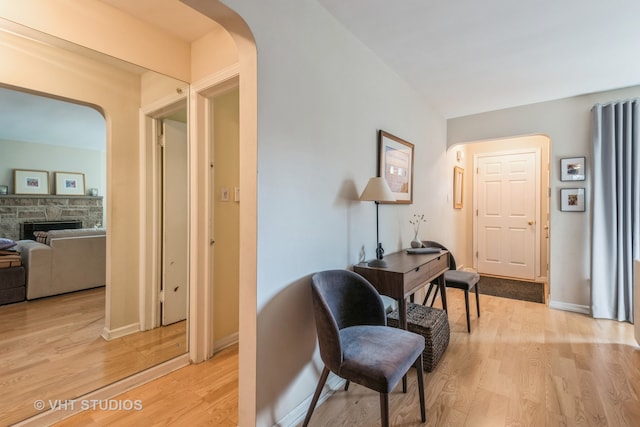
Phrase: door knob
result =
(531, 222)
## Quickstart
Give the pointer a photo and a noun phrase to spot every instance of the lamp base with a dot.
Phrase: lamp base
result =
(381, 263)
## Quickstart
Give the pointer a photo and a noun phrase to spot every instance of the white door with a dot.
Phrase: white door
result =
(507, 206)
(175, 278)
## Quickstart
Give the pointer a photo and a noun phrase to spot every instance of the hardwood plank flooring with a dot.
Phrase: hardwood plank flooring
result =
(196, 395)
(522, 364)
(51, 349)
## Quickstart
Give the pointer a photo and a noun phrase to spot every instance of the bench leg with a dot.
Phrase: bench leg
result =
(477, 301)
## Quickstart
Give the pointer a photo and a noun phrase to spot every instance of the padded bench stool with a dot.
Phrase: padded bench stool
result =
(432, 324)
(12, 285)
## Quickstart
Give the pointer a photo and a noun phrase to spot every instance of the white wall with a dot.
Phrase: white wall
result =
(52, 158)
(322, 96)
(567, 122)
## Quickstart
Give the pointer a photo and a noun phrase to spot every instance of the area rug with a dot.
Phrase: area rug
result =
(514, 289)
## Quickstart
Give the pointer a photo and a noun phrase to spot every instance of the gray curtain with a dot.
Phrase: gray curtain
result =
(615, 207)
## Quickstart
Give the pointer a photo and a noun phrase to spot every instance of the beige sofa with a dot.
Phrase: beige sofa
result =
(68, 260)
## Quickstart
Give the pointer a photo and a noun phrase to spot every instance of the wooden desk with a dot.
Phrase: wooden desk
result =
(406, 273)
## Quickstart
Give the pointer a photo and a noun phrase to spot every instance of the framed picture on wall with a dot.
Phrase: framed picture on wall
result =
(572, 169)
(572, 199)
(26, 181)
(395, 165)
(458, 187)
(69, 183)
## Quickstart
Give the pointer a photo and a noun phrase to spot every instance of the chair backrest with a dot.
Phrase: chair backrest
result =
(342, 298)
(432, 244)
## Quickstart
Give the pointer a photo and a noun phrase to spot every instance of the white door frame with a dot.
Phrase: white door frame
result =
(150, 205)
(476, 157)
(201, 339)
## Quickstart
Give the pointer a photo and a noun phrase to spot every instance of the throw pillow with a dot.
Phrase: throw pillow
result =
(6, 243)
(41, 236)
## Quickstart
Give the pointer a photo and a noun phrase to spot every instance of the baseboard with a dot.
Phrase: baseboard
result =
(74, 406)
(225, 342)
(583, 309)
(110, 334)
(295, 417)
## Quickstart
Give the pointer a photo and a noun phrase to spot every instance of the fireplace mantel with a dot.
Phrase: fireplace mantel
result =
(16, 209)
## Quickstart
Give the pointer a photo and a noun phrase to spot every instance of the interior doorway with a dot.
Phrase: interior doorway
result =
(174, 276)
(507, 213)
(164, 280)
(524, 235)
(225, 200)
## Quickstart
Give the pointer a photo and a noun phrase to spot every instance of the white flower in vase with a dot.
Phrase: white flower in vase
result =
(416, 221)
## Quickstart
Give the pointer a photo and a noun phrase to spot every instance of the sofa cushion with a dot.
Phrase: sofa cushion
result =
(41, 236)
(6, 243)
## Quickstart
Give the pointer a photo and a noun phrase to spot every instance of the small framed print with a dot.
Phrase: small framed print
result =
(572, 199)
(572, 169)
(458, 187)
(69, 184)
(27, 181)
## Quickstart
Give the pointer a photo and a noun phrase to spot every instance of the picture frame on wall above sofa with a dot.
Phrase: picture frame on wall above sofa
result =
(572, 199)
(29, 181)
(395, 165)
(69, 183)
(572, 169)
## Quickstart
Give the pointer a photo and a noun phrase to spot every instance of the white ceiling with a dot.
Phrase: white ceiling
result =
(464, 56)
(470, 56)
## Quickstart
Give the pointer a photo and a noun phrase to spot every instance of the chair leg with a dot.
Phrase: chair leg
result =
(435, 295)
(466, 302)
(316, 395)
(384, 409)
(432, 286)
(346, 385)
(477, 301)
(419, 367)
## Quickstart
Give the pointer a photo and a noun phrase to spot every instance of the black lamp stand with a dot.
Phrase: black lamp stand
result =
(379, 261)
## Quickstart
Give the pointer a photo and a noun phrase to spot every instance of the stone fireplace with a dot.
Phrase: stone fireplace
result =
(18, 209)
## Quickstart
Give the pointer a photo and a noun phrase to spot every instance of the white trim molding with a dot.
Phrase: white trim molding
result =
(558, 305)
(297, 415)
(225, 342)
(110, 334)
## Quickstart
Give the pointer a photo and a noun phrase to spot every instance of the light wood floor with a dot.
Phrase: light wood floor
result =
(51, 349)
(522, 365)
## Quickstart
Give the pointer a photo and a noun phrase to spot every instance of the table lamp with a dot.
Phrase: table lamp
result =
(377, 191)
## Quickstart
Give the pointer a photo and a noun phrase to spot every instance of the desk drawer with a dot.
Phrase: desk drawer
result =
(414, 278)
(439, 264)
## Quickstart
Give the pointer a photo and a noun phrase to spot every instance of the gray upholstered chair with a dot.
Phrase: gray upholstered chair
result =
(355, 342)
(453, 278)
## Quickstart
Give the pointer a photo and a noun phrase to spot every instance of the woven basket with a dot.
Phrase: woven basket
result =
(432, 324)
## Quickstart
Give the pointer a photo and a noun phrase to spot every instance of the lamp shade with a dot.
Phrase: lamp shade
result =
(377, 190)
